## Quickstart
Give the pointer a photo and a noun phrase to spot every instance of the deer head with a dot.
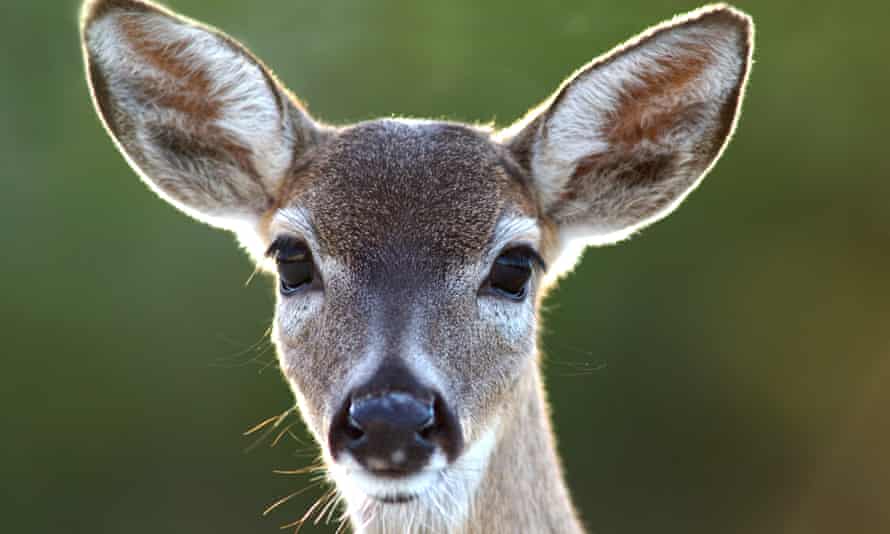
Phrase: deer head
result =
(411, 255)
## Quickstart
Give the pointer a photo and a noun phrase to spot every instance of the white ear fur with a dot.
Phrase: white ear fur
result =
(202, 121)
(628, 136)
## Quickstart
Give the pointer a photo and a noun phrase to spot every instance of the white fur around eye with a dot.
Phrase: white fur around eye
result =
(513, 320)
(295, 310)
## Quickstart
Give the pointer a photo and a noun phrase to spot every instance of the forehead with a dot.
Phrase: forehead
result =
(429, 188)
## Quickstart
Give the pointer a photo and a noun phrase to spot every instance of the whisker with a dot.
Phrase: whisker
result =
(283, 500)
(331, 501)
(342, 527)
(299, 522)
(282, 434)
(274, 421)
(256, 270)
(337, 501)
(307, 515)
(261, 347)
(271, 363)
(301, 471)
(300, 441)
(260, 425)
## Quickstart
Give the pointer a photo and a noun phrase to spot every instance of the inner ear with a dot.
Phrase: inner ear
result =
(201, 119)
(629, 135)
(655, 103)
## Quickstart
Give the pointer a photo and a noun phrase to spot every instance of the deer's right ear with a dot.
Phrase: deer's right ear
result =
(201, 120)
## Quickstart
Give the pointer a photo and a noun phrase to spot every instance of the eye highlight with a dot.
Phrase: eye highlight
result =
(510, 274)
(296, 270)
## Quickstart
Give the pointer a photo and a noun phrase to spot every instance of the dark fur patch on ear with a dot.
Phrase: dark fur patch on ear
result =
(621, 190)
(194, 85)
(635, 120)
(629, 173)
(177, 145)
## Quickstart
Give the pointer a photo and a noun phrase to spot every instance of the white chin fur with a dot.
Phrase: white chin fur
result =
(437, 499)
(382, 489)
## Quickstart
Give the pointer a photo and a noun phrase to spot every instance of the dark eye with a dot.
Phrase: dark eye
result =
(511, 271)
(295, 266)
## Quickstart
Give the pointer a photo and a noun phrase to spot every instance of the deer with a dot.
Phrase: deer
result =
(411, 256)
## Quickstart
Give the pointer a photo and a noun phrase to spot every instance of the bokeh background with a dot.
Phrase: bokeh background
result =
(727, 371)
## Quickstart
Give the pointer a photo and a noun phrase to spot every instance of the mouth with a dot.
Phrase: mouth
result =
(387, 489)
(398, 498)
(401, 490)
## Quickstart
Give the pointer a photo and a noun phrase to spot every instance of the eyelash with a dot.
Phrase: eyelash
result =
(537, 261)
(272, 251)
(281, 243)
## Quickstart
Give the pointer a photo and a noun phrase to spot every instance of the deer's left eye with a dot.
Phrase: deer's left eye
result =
(511, 272)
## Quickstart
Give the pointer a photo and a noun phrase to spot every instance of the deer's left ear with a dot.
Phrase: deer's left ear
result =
(629, 135)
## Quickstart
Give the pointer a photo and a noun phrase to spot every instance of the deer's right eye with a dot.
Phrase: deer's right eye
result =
(296, 269)
(294, 274)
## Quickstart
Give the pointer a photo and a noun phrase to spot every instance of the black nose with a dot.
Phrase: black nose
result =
(394, 433)
(393, 413)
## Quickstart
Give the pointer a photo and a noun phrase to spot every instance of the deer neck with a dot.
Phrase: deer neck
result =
(521, 488)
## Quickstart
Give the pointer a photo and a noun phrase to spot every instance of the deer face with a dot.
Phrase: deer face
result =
(410, 254)
(424, 246)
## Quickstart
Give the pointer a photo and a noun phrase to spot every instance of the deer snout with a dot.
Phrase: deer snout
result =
(395, 433)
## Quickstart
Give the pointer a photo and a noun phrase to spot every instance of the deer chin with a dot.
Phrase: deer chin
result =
(359, 483)
(442, 487)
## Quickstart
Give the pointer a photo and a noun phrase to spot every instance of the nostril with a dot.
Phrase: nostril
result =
(427, 433)
(353, 429)
(441, 426)
(427, 429)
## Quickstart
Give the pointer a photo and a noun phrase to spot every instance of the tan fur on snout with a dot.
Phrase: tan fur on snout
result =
(404, 222)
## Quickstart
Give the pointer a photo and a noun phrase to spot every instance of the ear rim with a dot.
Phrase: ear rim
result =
(521, 137)
(296, 123)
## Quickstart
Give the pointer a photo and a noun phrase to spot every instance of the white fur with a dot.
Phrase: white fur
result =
(292, 312)
(295, 220)
(444, 493)
(517, 229)
(513, 319)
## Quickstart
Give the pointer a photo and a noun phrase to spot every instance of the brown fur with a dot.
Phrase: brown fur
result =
(190, 99)
(384, 174)
(634, 122)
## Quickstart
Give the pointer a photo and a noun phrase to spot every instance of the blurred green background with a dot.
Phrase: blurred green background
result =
(724, 372)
